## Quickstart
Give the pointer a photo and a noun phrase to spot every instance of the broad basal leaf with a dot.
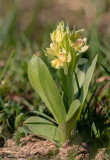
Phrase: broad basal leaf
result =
(42, 128)
(42, 82)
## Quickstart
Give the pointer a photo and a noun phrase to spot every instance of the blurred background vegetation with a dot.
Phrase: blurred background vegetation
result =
(25, 28)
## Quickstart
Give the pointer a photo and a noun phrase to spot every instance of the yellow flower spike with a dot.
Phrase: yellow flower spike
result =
(56, 63)
(64, 44)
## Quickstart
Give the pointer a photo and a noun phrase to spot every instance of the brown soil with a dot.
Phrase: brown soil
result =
(34, 148)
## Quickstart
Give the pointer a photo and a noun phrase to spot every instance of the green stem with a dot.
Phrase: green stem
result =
(67, 84)
(64, 133)
(70, 89)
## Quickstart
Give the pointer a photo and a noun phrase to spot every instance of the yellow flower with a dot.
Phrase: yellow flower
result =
(58, 36)
(51, 52)
(56, 63)
(62, 57)
(80, 45)
(55, 47)
(83, 49)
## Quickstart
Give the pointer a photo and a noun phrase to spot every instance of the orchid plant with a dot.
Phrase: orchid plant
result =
(65, 53)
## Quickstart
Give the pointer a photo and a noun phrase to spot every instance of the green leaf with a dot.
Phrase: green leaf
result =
(18, 120)
(87, 80)
(42, 128)
(65, 43)
(107, 71)
(72, 110)
(73, 62)
(42, 82)
(78, 77)
(94, 129)
(1, 129)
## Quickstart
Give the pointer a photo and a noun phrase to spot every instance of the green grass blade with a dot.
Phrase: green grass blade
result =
(107, 71)
(18, 120)
(6, 66)
(8, 26)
